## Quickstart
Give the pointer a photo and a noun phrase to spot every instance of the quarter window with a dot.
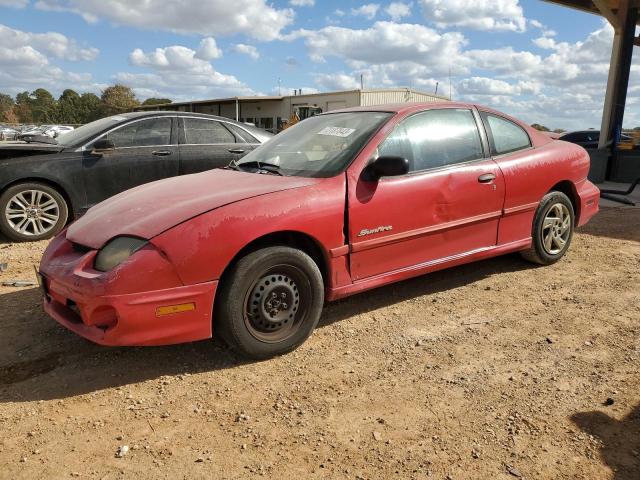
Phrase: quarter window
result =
(507, 136)
(206, 132)
(144, 133)
(435, 138)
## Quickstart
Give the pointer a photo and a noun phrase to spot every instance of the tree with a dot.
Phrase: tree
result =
(22, 109)
(156, 101)
(6, 106)
(43, 106)
(118, 99)
(539, 127)
(90, 108)
(69, 107)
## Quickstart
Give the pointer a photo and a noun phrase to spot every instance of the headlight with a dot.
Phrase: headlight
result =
(117, 251)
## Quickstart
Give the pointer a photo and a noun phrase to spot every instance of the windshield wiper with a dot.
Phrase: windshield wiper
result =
(261, 166)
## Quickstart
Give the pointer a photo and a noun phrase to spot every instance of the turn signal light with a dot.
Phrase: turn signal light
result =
(171, 309)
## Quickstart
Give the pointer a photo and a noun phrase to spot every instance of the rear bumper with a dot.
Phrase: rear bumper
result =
(133, 319)
(589, 196)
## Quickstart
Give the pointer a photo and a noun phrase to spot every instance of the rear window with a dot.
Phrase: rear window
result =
(506, 136)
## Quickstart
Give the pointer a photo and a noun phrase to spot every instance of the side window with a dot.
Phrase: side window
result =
(242, 134)
(435, 138)
(145, 133)
(200, 131)
(507, 136)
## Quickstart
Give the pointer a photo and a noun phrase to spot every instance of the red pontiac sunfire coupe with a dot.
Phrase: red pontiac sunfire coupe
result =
(338, 204)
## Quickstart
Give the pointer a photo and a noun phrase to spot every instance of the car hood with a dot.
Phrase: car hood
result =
(21, 149)
(150, 209)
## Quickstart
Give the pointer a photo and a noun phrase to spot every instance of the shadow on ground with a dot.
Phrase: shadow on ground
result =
(620, 440)
(621, 223)
(40, 360)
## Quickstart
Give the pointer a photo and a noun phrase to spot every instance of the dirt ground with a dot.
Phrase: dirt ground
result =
(495, 370)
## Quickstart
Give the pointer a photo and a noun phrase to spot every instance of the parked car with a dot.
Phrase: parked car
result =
(55, 131)
(8, 133)
(338, 204)
(587, 138)
(45, 183)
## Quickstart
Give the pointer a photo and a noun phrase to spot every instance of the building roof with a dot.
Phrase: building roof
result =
(266, 98)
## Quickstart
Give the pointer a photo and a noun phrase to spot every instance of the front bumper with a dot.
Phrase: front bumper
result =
(141, 302)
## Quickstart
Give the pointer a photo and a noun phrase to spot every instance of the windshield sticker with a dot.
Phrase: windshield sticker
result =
(336, 131)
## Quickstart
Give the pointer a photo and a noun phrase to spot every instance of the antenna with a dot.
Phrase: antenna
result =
(279, 87)
(361, 81)
(449, 82)
(437, 83)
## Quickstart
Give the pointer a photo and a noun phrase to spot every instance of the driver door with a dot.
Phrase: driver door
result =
(448, 205)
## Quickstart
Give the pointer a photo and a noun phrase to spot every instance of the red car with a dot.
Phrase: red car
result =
(338, 204)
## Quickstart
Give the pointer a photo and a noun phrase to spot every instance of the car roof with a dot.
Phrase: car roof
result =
(156, 113)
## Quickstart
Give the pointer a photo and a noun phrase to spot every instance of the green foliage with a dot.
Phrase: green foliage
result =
(156, 101)
(40, 106)
(539, 127)
(118, 99)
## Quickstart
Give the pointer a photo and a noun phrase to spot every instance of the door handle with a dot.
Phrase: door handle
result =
(161, 153)
(486, 178)
(236, 150)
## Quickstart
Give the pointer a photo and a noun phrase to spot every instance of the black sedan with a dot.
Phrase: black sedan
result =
(45, 183)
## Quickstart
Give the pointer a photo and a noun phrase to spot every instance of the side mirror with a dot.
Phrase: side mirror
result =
(387, 166)
(102, 146)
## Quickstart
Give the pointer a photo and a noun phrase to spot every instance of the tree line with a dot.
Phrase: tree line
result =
(41, 107)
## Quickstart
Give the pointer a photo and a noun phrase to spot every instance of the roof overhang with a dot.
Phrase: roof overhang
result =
(609, 9)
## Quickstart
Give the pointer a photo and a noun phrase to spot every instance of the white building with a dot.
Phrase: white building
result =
(269, 112)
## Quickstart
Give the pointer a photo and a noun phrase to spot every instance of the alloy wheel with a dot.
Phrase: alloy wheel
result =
(556, 228)
(32, 212)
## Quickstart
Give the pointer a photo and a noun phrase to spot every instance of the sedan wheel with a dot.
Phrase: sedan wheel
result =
(556, 228)
(552, 229)
(270, 302)
(32, 212)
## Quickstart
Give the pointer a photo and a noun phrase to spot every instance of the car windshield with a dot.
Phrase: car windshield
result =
(321, 146)
(80, 135)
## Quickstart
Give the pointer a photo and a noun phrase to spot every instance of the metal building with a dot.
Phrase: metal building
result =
(270, 112)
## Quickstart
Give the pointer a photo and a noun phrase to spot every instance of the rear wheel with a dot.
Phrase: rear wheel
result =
(552, 229)
(32, 211)
(270, 303)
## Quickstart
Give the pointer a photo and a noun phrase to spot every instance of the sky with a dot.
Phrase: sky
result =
(537, 61)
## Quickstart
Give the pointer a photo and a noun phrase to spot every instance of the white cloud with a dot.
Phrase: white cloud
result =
(14, 3)
(496, 15)
(254, 18)
(208, 49)
(26, 62)
(398, 10)
(51, 43)
(337, 81)
(368, 11)
(393, 42)
(302, 3)
(179, 72)
(249, 50)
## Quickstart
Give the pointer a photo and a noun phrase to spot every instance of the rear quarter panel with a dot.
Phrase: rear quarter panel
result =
(532, 173)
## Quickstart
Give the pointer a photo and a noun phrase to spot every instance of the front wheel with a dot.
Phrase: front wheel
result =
(552, 229)
(32, 211)
(270, 303)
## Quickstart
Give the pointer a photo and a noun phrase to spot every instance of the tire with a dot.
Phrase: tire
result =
(32, 211)
(552, 231)
(270, 303)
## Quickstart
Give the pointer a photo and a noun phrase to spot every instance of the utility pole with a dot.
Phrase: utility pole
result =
(279, 87)
(361, 81)
(437, 83)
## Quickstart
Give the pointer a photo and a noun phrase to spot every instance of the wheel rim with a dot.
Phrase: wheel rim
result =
(32, 212)
(277, 304)
(556, 228)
